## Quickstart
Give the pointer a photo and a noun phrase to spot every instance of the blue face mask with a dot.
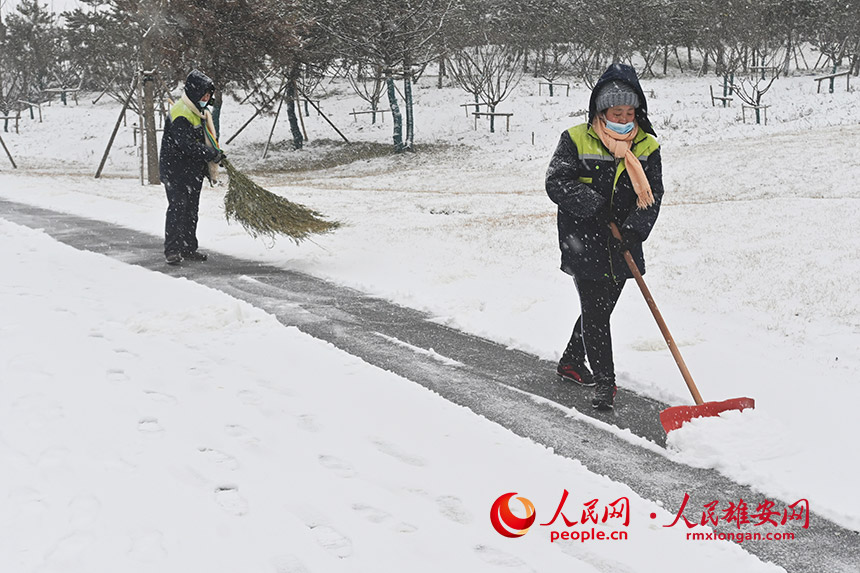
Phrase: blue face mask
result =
(202, 104)
(622, 128)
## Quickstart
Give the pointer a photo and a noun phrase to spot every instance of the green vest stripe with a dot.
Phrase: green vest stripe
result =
(589, 146)
(180, 109)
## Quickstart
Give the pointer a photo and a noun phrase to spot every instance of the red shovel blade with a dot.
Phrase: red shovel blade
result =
(674, 417)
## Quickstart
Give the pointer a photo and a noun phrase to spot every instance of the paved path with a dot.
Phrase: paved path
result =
(512, 388)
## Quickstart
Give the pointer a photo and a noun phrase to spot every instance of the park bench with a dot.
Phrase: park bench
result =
(476, 104)
(7, 118)
(63, 92)
(764, 70)
(507, 117)
(831, 77)
(31, 105)
(355, 114)
(726, 100)
(551, 85)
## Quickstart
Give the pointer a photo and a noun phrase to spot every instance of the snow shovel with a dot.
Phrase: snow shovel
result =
(674, 417)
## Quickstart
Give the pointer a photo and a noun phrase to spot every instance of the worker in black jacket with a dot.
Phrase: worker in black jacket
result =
(189, 153)
(605, 170)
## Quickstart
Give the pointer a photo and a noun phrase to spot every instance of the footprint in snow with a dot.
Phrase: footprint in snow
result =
(308, 422)
(124, 351)
(500, 558)
(219, 458)
(242, 434)
(332, 541)
(249, 397)
(117, 375)
(229, 498)
(147, 547)
(236, 431)
(404, 527)
(376, 515)
(398, 453)
(160, 397)
(341, 467)
(289, 564)
(370, 513)
(454, 509)
(598, 561)
(149, 426)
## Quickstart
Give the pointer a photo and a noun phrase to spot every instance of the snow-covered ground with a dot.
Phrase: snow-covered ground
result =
(161, 420)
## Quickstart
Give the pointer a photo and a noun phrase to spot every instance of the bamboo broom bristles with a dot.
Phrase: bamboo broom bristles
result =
(262, 213)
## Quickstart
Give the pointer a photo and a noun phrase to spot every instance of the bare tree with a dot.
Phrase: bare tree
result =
(553, 63)
(489, 72)
(368, 83)
(398, 36)
(751, 90)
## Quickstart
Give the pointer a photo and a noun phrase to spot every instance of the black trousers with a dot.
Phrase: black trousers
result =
(180, 227)
(591, 336)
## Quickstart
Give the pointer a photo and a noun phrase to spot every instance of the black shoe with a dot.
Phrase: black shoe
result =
(195, 256)
(604, 395)
(173, 258)
(575, 372)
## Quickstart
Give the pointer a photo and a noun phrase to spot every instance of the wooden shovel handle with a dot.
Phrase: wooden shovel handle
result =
(673, 348)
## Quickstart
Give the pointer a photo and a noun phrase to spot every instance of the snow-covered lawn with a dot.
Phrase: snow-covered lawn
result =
(149, 422)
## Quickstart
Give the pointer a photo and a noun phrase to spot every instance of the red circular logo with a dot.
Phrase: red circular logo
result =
(508, 524)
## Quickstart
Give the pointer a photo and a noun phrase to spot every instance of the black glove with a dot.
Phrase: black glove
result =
(220, 157)
(629, 240)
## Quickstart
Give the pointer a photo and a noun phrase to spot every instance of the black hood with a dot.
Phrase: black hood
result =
(626, 74)
(197, 84)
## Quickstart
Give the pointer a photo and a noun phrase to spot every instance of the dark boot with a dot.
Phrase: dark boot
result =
(575, 371)
(195, 256)
(604, 393)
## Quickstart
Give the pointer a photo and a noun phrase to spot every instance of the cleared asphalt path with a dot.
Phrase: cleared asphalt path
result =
(512, 388)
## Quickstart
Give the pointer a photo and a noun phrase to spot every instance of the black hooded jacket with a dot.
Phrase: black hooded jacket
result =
(626, 74)
(584, 181)
(184, 154)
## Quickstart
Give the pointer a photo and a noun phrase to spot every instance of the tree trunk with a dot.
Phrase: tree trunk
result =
(441, 72)
(295, 130)
(149, 113)
(410, 121)
(397, 119)
(704, 69)
(678, 57)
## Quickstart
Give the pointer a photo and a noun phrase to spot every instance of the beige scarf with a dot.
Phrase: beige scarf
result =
(210, 138)
(619, 145)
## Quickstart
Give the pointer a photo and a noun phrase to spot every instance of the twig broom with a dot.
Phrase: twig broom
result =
(261, 212)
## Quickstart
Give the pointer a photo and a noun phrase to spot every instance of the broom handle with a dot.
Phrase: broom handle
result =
(673, 348)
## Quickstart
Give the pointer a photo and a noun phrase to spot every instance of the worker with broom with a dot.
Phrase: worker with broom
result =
(607, 170)
(189, 153)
